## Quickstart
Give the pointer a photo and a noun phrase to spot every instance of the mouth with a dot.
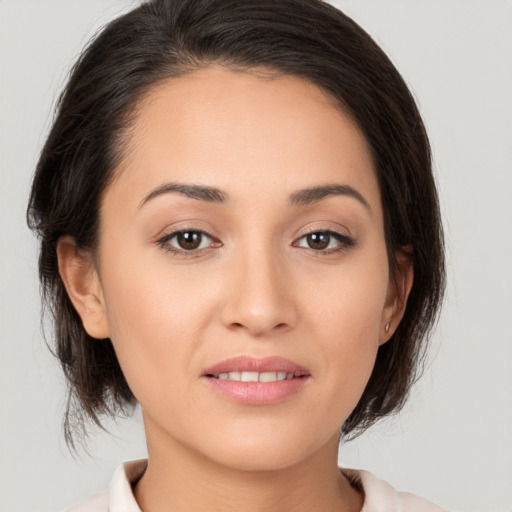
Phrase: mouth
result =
(255, 376)
(256, 369)
(256, 381)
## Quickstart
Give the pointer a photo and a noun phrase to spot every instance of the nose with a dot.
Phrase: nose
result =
(259, 296)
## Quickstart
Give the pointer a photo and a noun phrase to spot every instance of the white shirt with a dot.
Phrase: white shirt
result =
(379, 496)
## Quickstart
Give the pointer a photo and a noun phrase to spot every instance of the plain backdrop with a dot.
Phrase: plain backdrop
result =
(453, 443)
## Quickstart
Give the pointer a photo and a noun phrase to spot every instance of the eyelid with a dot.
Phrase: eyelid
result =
(324, 226)
(182, 225)
(164, 238)
(345, 240)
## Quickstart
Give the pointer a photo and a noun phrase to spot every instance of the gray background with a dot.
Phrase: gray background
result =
(453, 443)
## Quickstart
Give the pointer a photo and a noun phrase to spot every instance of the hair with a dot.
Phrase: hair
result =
(165, 39)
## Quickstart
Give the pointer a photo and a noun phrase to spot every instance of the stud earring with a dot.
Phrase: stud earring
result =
(387, 327)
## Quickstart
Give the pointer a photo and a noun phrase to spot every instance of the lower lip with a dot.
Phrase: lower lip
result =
(257, 393)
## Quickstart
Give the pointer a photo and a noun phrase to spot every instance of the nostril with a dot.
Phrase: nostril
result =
(258, 316)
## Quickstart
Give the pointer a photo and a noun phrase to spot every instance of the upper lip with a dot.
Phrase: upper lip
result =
(256, 364)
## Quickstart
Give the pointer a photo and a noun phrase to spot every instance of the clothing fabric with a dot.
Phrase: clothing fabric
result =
(379, 495)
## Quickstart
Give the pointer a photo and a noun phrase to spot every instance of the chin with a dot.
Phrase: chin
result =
(261, 462)
(262, 454)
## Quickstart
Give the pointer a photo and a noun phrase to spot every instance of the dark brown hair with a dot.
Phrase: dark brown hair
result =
(163, 39)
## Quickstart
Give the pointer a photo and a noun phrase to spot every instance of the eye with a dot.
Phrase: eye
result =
(186, 240)
(326, 241)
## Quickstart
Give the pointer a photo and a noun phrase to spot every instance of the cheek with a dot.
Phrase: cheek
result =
(351, 300)
(156, 317)
(345, 315)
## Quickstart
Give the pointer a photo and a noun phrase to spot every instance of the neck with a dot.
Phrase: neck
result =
(180, 479)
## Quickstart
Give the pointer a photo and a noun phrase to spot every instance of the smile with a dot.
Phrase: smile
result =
(256, 381)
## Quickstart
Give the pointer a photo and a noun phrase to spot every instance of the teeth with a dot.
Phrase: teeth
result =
(249, 377)
(255, 376)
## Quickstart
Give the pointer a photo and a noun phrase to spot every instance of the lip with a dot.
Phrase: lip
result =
(256, 393)
(256, 364)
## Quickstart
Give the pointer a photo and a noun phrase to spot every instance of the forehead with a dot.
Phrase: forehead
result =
(244, 132)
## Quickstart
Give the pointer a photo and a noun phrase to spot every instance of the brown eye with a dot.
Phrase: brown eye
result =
(326, 242)
(318, 241)
(189, 240)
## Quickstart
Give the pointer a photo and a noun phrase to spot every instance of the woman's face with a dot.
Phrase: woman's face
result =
(244, 233)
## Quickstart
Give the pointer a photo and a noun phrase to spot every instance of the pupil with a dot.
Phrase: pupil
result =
(319, 241)
(189, 240)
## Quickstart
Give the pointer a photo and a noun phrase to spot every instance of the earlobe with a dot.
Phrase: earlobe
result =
(399, 288)
(79, 275)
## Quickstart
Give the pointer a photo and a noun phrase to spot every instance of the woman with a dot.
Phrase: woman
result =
(240, 232)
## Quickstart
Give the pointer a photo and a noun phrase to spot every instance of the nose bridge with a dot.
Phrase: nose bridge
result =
(259, 299)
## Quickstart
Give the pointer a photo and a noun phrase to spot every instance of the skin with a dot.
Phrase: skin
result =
(255, 288)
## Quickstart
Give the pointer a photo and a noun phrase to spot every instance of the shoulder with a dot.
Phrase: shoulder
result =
(119, 496)
(96, 503)
(379, 496)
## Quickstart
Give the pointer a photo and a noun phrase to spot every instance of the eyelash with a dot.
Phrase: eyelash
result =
(345, 242)
(163, 242)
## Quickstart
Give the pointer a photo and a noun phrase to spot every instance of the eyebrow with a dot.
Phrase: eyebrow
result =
(315, 194)
(215, 195)
(199, 192)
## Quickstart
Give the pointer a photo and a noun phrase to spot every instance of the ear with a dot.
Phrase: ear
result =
(398, 292)
(78, 273)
